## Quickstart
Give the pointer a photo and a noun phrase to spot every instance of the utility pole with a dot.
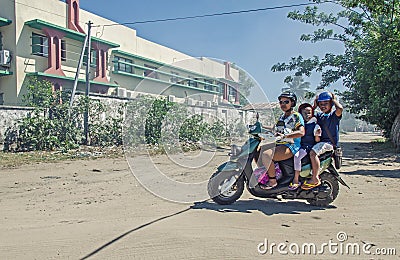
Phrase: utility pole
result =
(78, 69)
(86, 114)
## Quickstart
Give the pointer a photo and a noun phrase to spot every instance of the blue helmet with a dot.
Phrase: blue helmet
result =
(324, 96)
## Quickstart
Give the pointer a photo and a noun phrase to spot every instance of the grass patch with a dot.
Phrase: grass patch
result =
(14, 160)
(384, 145)
(380, 140)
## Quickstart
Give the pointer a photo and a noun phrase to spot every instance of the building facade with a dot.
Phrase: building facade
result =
(45, 39)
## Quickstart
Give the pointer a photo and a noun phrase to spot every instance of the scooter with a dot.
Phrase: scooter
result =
(227, 184)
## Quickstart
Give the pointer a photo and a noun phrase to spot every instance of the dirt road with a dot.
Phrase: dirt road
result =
(96, 209)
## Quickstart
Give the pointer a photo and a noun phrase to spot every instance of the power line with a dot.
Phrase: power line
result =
(36, 8)
(207, 15)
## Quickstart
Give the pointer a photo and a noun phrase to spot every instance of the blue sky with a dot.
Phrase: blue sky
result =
(254, 41)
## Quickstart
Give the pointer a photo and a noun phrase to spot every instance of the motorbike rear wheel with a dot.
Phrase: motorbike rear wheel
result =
(331, 181)
(216, 186)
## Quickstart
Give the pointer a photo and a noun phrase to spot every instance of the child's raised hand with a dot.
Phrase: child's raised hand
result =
(315, 102)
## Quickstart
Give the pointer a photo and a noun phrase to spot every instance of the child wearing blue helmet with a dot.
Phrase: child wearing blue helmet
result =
(329, 120)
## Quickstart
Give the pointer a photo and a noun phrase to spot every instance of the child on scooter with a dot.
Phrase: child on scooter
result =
(311, 137)
(329, 120)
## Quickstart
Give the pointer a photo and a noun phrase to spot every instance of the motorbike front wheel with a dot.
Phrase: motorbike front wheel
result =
(225, 188)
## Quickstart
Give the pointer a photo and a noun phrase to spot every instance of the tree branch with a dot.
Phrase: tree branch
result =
(392, 16)
(368, 17)
(341, 26)
(336, 39)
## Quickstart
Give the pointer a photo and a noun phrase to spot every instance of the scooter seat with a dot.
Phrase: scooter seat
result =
(287, 166)
(306, 160)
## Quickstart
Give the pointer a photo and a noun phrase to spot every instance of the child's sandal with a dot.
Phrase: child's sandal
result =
(294, 186)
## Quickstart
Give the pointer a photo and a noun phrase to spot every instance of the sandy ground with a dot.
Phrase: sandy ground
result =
(96, 209)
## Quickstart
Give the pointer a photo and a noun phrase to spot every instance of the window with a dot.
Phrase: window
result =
(174, 78)
(1, 99)
(93, 58)
(1, 41)
(63, 50)
(232, 91)
(123, 64)
(40, 45)
(232, 94)
(191, 82)
(221, 87)
(208, 84)
(150, 72)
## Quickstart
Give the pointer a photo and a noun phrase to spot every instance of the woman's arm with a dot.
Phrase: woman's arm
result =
(269, 127)
(296, 134)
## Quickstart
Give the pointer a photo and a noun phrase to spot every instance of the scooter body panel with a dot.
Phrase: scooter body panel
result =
(249, 147)
(229, 166)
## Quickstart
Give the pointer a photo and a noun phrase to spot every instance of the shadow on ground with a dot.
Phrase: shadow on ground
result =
(376, 173)
(370, 154)
(357, 150)
(267, 207)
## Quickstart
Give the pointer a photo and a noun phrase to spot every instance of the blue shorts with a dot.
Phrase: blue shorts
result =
(293, 148)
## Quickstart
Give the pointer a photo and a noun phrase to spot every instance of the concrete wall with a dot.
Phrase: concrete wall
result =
(227, 114)
(9, 116)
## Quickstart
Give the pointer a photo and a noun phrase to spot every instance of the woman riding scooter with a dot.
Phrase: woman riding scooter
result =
(290, 129)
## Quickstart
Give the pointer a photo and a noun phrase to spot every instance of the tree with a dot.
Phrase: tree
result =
(47, 127)
(298, 86)
(53, 125)
(396, 132)
(370, 64)
(40, 94)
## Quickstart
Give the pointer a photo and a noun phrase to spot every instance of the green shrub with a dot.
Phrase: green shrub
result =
(154, 122)
(193, 129)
